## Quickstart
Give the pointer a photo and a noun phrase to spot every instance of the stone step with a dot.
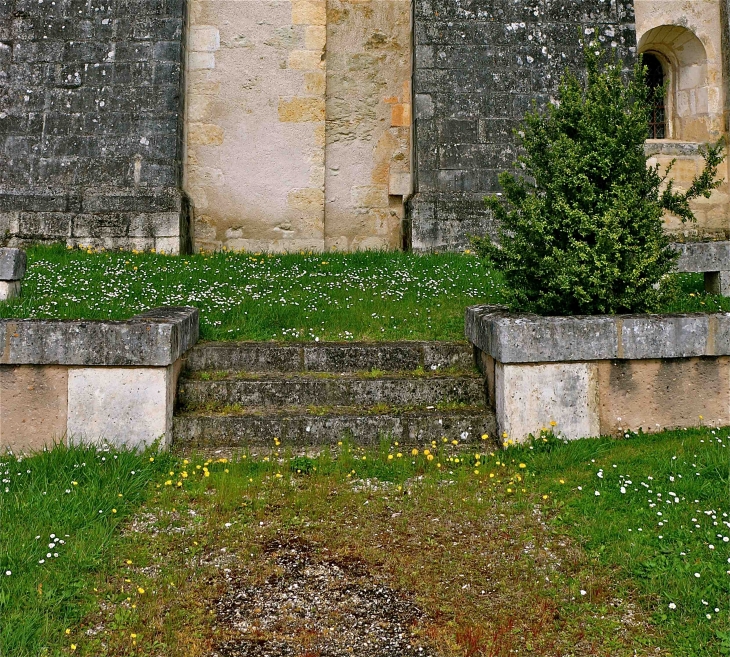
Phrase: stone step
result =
(330, 356)
(337, 390)
(296, 429)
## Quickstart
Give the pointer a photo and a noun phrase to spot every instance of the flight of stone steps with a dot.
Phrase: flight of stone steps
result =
(240, 395)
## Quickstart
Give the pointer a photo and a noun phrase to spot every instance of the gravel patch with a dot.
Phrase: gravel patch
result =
(317, 607)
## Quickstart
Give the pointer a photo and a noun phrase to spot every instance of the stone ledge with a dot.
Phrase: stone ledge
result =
(12, 264)
(153, 339)
(703, 256)
(524, 338)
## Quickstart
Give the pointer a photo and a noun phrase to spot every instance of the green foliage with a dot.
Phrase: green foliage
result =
(581, 226)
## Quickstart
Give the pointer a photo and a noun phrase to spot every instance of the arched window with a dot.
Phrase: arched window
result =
(655, 80)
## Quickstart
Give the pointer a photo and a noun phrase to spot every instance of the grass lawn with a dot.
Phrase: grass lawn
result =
(597, 547)
(356, 296)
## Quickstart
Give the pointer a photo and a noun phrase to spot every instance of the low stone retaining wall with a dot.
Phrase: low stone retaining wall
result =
(604, 374)
(91, 380)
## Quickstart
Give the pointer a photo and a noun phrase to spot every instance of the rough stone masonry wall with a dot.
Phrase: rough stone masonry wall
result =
(90, 136)
(479, 64)
(298, 123)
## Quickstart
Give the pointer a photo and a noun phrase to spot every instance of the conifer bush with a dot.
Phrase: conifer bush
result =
(581, 224)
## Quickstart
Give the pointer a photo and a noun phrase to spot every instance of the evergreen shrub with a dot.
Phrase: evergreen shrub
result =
(581, 224)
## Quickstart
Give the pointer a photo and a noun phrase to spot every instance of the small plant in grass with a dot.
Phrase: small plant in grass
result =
(581, 226)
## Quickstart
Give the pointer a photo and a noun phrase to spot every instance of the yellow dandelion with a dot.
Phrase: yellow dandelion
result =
(168, 482)
(414, 451)
(390, 457)
(484, 436)
(523, 466)
(114, 510)
(553, 423)
(430, 457)
(399, 455)
(140, 590)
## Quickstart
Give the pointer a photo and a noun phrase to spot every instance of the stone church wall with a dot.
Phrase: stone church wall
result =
(90, 123)
(298, 123)
(293, 124)
(479, 64)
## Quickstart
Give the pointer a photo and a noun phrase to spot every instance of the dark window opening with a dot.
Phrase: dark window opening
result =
(655, 80)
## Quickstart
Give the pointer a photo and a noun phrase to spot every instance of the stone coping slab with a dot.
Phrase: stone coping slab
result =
(156, 338)
(12, 264)
(703, 256)
(524, 338)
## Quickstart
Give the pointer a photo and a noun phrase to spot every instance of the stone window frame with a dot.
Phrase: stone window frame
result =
(673, 65)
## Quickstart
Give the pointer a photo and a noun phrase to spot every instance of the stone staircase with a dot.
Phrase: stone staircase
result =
(246, 394)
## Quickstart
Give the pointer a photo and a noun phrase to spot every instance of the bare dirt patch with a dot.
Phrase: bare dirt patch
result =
(316, 605)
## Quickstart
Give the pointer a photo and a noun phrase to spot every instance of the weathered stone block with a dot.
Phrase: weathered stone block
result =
(309, 12)
(533, 339)
(204, 38)
(668, 336)
(304, 109)
(530, 397)
(521, 338)
(9, 290)
(154, 339)
(120, 406)
(659, 394)
(33, 404)
(199, 61)
(703, 256)
(12, 264)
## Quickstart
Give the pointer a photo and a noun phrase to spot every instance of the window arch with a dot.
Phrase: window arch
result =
(677, 54)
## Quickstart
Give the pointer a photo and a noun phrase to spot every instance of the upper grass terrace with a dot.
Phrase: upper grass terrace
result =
(373, 295)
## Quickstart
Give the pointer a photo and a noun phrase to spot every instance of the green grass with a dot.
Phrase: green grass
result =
(505, 551)
(354, 296)
(357, 296)
(691, 297)
(66, 503)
